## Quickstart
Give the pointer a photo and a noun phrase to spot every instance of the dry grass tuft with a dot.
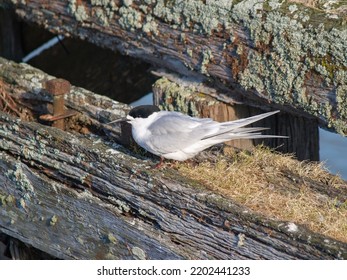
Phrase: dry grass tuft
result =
(279, 187)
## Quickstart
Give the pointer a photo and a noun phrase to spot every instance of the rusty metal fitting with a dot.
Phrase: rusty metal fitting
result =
(58, 88)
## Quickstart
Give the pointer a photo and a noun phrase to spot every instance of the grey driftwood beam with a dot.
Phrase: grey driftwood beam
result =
(255, 52)
(76, 196)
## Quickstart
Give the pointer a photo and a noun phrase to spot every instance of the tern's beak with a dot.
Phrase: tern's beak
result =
(125, 119)
(119, 120)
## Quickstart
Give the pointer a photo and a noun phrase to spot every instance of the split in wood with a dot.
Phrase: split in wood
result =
(58, 88)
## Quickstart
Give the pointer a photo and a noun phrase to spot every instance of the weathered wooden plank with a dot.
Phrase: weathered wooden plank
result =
(66, 223)
(256, 52)
(88, 200)
(79, 196)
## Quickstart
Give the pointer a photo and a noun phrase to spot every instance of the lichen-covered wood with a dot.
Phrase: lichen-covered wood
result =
(77, 196)
(282, 52)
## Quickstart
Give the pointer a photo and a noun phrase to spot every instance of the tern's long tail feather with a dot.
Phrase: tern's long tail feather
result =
(236, 130)
(249, 133)
(231, 125)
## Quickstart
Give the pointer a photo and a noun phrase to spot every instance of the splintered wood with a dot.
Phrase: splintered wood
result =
(7, 104)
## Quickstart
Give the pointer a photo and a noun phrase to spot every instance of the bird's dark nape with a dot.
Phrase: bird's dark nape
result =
(143, 111)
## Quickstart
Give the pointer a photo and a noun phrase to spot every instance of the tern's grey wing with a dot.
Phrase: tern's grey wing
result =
(173, 131)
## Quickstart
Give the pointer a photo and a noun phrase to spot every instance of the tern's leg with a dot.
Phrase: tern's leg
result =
(160, 163)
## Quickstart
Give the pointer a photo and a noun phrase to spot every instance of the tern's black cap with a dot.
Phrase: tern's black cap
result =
(143, 111)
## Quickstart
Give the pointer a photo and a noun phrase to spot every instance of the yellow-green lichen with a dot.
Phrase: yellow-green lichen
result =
(100, 14)
(78, 11)
(121, 205)
(190, 52)
(127, 3)
(138, 253)
(150, 25)
(293, 8)
(295, 49)
(21, 180)
(104, 10)
(185, 98)
(130, 18)
(6, 200)
(176, 96)
(53, 220)
(206, 58)
(341, 98)
(111, 238)
(21, 203)
(205, 18)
